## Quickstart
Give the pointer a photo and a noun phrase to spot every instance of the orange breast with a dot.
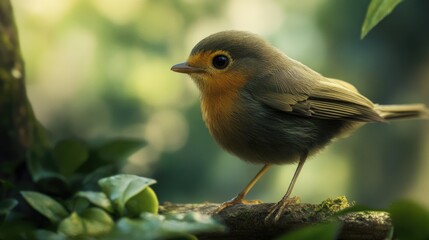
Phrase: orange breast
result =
(219, 101)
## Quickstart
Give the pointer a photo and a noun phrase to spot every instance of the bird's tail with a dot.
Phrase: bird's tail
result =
(406, 111)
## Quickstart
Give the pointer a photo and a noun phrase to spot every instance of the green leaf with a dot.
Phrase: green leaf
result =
(69, 155)
(101, 172)
(40, 171)
(97, 221)
(45, 205)
(92, 222)
(151, 226)
(97, 198)
(6, 205)
(72, 226)
(41, 234)
(377, 10)
(78, 205)
(119, 149)
(144, 201)
(120, 188)
(410, 220)
(324, 231)
(16, 229)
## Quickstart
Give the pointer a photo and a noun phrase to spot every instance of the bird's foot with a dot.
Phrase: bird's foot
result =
(278, 209)
(237, 200)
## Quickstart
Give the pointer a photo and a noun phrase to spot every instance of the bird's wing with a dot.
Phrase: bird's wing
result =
(325, 99)
(343, 84)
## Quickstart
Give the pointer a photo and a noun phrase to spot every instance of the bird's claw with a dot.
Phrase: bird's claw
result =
(235, 201)
(278, 209)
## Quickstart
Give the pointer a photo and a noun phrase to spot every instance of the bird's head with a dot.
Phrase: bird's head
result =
(226, 60)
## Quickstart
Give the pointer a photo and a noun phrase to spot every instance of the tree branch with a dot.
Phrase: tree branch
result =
(247, 221)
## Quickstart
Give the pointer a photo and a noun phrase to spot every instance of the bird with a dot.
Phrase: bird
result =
(267, 108)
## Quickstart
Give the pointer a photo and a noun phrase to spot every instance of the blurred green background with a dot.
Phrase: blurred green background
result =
(100, 68)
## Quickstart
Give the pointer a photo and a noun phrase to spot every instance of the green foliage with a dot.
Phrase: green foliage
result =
(324, 231)
(6, 206)
(410, 220)
(41, 234)
(121, 188)
(150, 226)
(99, 199)
(90, 222)
(69, 155)
(45, 205)
(93, 214)
(73, 164)
(81, 195)
(119, 149)
(377, 10)
(145, 201)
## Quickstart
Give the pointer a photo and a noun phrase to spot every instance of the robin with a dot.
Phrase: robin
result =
(267, 108)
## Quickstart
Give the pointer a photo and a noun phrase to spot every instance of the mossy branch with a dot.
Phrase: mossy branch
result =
(247, 221)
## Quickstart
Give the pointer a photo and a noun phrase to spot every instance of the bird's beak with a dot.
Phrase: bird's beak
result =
(185, 68)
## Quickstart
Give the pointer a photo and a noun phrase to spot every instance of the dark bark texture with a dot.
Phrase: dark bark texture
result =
(14, 109)
(21, 136)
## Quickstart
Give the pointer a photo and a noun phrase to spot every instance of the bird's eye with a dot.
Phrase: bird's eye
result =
(220, 61)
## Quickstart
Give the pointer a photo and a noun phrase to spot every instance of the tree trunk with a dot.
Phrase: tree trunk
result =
(15, 111)
(21, 137)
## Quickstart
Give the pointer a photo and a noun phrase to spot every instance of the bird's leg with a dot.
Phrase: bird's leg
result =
(279, 208)
(240, 197)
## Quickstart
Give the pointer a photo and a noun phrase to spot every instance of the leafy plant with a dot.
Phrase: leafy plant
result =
(377, 11)
(45, 205)
(121, 188)
(72, 163)
(88, 214)
(93, 214)
(77, 192)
